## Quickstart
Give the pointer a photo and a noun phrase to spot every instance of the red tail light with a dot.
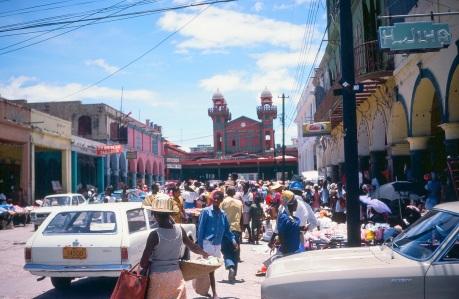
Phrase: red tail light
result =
(124, 254)
(28, 254)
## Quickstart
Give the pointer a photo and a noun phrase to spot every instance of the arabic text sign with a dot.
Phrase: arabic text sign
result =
(316, 129)
(414, 36)
(109, 149)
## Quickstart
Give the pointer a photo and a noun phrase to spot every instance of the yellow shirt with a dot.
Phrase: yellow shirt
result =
(148, 201)
(178, 209)
(233, 210)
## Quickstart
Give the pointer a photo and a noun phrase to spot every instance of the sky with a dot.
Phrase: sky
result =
(166, 64)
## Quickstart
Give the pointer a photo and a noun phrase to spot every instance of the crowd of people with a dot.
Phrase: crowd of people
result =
(235, 210)
(291, 217)
(13, 209)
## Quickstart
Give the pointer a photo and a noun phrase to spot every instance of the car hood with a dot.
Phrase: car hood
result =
(338, 261)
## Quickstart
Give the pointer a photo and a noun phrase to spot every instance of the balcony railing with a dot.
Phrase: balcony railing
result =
(218, 110)
(323, 112)
(372, 63)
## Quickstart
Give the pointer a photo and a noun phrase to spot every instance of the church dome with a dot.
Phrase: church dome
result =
(218, 95)
(266, 94)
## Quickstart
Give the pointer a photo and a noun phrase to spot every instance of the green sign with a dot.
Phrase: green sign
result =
(414, 36)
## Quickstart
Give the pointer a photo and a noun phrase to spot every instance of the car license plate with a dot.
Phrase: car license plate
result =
(78, 253)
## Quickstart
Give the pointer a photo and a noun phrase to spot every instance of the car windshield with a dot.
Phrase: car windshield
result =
(56, 201)
(83, 222)
(425, 236)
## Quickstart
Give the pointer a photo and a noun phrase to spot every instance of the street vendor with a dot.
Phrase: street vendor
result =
(162, 253)
(213, 227)
(288, 231)
(149, 199)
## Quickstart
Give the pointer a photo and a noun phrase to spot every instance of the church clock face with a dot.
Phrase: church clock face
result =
(242, 124)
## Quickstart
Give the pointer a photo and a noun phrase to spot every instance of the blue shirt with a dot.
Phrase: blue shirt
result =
(213, 226)
(289, 232)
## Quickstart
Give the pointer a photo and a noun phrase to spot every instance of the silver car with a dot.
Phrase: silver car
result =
(422, 262)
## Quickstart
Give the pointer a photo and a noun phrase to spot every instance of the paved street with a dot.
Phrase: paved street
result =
(16, 283)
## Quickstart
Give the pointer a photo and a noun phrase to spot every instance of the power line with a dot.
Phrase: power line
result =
(101, 18)
(178, 7)
(24, 10)
(303, 61)
(313, 64)
(140, 56)
(98, 23)
(62, 27)
(67, 16)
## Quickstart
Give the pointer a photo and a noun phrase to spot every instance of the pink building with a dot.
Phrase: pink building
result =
(144, 153)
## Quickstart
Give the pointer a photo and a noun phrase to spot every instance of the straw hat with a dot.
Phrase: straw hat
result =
(276, 186)
(162, 203)
(287, 196)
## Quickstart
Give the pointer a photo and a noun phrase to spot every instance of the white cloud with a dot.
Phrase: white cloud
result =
(101, 63)
(33, 90)
(276, 80)
(290, 5)
(301, 2)
(227, 82)
(223, 28)
(258, 6)
(276, 60)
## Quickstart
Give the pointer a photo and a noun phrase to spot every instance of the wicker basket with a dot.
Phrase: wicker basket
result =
(194, 269)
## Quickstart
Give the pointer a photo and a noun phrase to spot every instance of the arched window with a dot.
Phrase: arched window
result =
(84, 126)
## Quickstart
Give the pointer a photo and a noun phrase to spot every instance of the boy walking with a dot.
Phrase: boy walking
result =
(256, 216)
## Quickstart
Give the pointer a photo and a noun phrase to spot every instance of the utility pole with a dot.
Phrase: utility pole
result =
(283, 138)
(350, 124)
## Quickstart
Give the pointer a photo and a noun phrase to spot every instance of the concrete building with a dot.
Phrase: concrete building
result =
(15, 150)
(51, 153)
(306, 108)
(141, 158)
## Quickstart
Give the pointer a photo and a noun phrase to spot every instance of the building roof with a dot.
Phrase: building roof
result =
(266, 93)
(241, 118)
(218, 95)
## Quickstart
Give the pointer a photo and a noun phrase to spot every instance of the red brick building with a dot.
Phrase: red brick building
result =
(243, 135)
(243, 145)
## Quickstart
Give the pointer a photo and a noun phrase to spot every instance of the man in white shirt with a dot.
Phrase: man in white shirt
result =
(247, 200)
(189, 196)
(305, 214)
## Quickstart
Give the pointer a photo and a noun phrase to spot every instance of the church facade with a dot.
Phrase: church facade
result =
(243, 134)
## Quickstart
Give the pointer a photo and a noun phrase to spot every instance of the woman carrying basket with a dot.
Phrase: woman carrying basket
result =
(162, 252)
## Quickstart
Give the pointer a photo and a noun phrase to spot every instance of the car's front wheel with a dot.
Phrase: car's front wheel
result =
(61, 283)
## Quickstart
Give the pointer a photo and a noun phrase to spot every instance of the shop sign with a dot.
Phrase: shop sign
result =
(173, 166)
(172, 160)
(414, 37)
(131, 155)
(317, 129)
(109, 149)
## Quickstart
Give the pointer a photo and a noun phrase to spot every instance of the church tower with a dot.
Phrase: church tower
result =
(220, 116)
(267, 112)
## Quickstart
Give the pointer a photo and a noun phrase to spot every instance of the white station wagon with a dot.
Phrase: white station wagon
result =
(50, 202)
(97, 240)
